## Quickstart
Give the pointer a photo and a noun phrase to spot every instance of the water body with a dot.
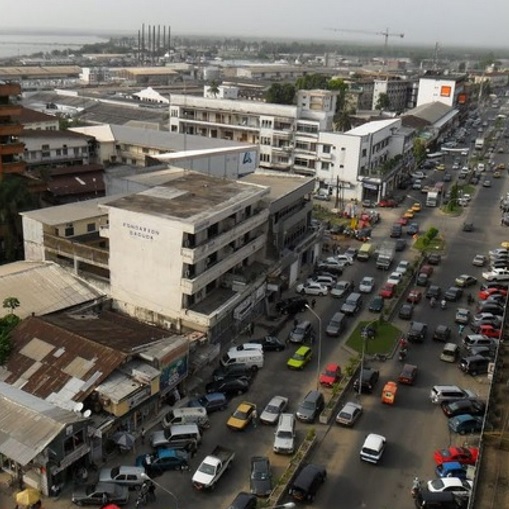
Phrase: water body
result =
(17, 45)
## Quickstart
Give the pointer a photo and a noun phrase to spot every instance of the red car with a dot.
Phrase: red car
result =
(408, 374)
(489, 331)
(463, 455)
(388, 202)
(387, 291)
(484, 294)
(426, 269)
(414, 296)
(331, 375)
(403, 221)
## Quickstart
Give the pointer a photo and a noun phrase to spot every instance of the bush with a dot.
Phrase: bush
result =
(432, 233)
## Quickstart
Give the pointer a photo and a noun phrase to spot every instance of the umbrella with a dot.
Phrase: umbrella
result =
(124, 440)
(28, 497)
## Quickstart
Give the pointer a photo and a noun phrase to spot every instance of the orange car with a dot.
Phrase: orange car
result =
(389, 393)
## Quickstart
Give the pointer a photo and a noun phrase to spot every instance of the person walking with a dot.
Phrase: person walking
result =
(254, 417)
(313, 304)
(142, 435)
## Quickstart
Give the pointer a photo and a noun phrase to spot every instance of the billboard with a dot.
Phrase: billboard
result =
(445, 91)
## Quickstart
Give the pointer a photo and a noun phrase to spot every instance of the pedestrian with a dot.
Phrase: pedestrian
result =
(151, 494)
(254, 417)
(461, 328)
(313, 304)
(251, 329)
(142, 435)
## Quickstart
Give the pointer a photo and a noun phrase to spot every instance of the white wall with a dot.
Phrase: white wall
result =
(145, 261)
(33, 240)
(431, 90)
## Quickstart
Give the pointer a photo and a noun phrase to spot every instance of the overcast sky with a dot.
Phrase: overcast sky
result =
(449, 22)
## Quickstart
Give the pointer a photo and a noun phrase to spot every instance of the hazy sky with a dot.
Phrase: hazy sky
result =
(449, 22)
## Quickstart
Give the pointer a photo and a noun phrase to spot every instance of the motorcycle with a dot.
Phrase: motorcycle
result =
(443, 304)
(402, 354)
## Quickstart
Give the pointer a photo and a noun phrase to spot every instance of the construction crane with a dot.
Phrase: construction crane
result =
(386, 34)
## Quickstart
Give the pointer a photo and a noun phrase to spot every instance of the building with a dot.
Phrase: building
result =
(447, 89)
(42, 77)
(36, 120)
(398, 92)
(56, 148)
(146, 76)
(366, 162)
(11, 147)
(274, 72)
(287, 135)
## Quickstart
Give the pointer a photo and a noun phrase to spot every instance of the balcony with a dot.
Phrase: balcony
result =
(282, 148)
(209, 123)
(192, 255)
(11, 129)
(104, 231)
(14, 167)
(10, 110)
(192, 286)
(280, 165)
(11, 148)
(76, 251)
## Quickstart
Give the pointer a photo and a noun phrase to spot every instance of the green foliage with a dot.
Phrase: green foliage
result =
(7, 324)
(432, 233)
(311, 82)
(11, 303)
(280, 93)
(383, 102)
(419, 151)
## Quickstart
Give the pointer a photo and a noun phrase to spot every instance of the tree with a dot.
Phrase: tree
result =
(11, 303)
(383, 102)
(280, 94)
(214, 88)
(311, 81)
(419, 151)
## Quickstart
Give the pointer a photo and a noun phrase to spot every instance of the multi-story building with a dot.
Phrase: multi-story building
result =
(11, 147)
(449, 89)
(367, 161)
(38, 121)
(287, 135)
(42, 77)
(398, 92)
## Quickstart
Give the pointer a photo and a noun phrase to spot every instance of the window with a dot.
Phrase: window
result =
(84, 150)
(69, 230)
(265, 158)
(364, 152)
(45, 147)
(90, 227)
(327, 149)
(59, 152)
(266, 124)
(64, 151)
(144, 150)
(264, 140)
(326, 166)
(76, 151)
(173, 128)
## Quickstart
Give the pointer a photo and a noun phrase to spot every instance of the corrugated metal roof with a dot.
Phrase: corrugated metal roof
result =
(43, 288)
(28, 424)
(430, 112)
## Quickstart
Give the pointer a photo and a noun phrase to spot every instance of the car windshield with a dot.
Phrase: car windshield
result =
(272, 409)
(240, 414)
(285, 434)
(330, 372)
(309, 405)
(437, 484)
(345, 415)
(298, 357)
(205, 468)
(114, 472)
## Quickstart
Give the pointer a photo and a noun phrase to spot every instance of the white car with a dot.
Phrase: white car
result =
(367, 284)
(450, 484)
(276, 406)
(340, 288)
(395, 278)
(417, 175)
(344, 259)
(496, 275)
(403, 267)
(498, 252)
(349, 414)
(479, 260)
(312, 288)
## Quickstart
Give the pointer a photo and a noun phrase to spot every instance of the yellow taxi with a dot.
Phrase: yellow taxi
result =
(440, 167)
(496, 175)
(416, 207)
(242, 416)
(409, 214)
(505, 244)
(501, 166)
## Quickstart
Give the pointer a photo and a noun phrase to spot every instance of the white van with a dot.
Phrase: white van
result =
(250, 358)
(284, 437)
(373, 448)
(247, 346)
(193, 415)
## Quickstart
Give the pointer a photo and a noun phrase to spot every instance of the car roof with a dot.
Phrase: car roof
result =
(302, 350)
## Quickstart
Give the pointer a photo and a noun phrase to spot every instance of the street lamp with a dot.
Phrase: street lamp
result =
(319, 360)
(364, 335)
(147, 478)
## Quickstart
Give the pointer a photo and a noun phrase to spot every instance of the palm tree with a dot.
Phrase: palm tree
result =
(214, 88)
(11, 303)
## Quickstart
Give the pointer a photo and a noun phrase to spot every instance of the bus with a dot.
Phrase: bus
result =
(435, 155)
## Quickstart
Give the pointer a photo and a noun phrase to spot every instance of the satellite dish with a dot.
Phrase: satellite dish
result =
(87, 413)
(78, 407)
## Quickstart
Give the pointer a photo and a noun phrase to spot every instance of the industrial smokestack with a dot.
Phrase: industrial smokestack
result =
(139, 46)
(143, 42)
(169, 38)
(153, 42)
(164, 39)
(158, 49)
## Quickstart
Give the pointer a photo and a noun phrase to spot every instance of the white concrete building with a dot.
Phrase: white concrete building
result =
(359, 161)
(287, 135)
(448, 89)
(398, 91)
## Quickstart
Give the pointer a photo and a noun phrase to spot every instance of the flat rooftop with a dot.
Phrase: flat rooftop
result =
(188, 196)
(371, 127)
(279, 184)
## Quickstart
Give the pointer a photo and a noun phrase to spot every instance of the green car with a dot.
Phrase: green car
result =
(300, 358)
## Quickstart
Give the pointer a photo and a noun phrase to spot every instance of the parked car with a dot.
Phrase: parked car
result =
(307, 482)
(408, 374)
(229, 387)
(376, 305)
(463, 455)
(331, 375)
(417, 332)
(464, 406)
(312, 288)
(406, 311)
(211, 402)
(414, 296)
(465, 280)
(465, 423)
(442, 333)
(367, 380)
(340, 289)
(300, 358)
(101, 493)
(274, 408)
(269, 343)
(260, 478)
(310, 407)
(453, 294)
(163, 460)
(291, 306)
(434, 259)
(367, 284)
(242, 416)
(462, 316)
(349, 414)
(433, 292)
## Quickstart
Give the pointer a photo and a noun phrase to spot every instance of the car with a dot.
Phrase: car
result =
(482, 351)
(376, 305)
(373, 448)
(433, 292)
(413, 229)
(440, 167)
(276, 406)
(451, 469)
(403, 221)
(367, 284)
(499, 264)
(403, 267)
(447, 177)
(465, 423)
(453, 293)
(232, 371)
(328, 280)
(310, 407)
(434, 259)
(351, 253)
(101, 493)
(305, 485)
(349, 414)
(418, 175)
(452, 484)
(486, 183)
(462, 316)
(490, 331)
(442, 333)
(163, 460)
(300, 358)
(406, 311)
(211, 402)
(229, 387)
(344, 259)
(414, 296)
(463, 455)
(464, 406)
(242, 416)
(496, 175)
(494, 284)
(387, 203)
(369, 377)
(244, 500)
(487, 292)
(332, 267)
(408, 374)
(465, 280)
(260, 478)
(387, 291)
(312, 288)
(331, 375)
(269, 343)
(340, 289)
(291, 306)
(498, 251)
(416, 207)
(303, 332)
(395, 278)
(123, 475)
(479, 261)
(422, 279)
(417, 332)
(396, 231)
(491, 307)
(409, 214)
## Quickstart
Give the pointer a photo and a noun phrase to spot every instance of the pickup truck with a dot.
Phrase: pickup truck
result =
(212, 468)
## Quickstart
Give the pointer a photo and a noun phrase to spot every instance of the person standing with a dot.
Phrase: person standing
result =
(254, 417)
(313, 304)
(142, 435)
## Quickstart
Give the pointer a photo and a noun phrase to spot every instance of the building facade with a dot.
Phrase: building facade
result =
(447, 89)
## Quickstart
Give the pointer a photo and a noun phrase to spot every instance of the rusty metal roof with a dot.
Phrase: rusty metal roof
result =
(28, 424)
